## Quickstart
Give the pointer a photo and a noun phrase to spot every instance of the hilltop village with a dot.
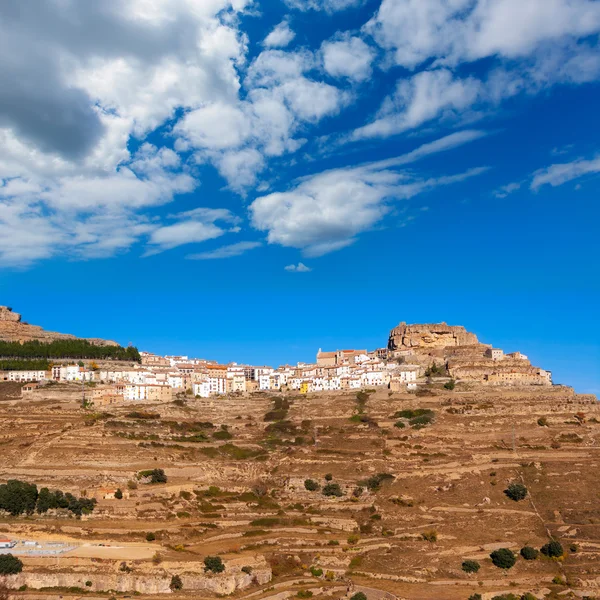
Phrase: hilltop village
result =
(415, 355)
(433, 468)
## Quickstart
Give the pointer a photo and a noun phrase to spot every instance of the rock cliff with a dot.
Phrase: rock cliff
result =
(13, 329)
(429, 336)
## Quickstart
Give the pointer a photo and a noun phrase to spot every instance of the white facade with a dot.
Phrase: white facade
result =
(202, 389)
(26, 375)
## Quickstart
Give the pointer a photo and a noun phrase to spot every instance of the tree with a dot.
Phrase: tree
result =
(18, 497)
(150, 537)
(529, 553)
(470, 566)
(176, 583)
(552, 549)
(311, 485)
(332, 489)
(119, 494)
(10, 565)
(214, 564)
(516, 491)
(503, 558)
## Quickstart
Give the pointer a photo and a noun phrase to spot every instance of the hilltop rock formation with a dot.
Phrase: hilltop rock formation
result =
(13, 329)
(428, 336)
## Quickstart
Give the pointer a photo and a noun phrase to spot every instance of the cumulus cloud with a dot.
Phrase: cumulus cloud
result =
(348, 57)
(299, 268)
(326, 212)
(467, 30)
(226, 251)
(280, 37)
(558, 174)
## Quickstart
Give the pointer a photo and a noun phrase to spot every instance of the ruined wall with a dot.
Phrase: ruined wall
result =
(429, 336)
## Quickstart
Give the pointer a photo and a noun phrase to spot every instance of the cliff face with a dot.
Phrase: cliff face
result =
(429, 336)
(12, 329)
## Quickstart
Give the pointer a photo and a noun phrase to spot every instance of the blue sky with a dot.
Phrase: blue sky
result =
(250, 181)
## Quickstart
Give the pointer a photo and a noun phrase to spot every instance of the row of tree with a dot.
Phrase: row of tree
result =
(19, 497)
(58, 349)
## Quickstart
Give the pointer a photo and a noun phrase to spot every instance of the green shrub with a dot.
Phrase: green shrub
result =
(552, 549)
(328, 477)
(421, 421)
(558, 580)
(470, 566)
(155, 475)
(516, 491)
(304, 594)
(332, 489)
(311, 485)
(222, 434)
(316, 571)
(119, 494)
(88, 583)
(150, 537)
(214, 564)
(358, 596)
(475, 597)
(503, 558)
(529, 553)
(176, 583)
(10, 565)
(400, 424)
(450, 385)
(374, 482)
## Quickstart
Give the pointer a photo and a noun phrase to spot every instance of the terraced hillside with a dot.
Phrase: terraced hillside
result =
(330, 495)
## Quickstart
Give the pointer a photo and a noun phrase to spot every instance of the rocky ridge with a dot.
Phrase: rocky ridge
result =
(13, 329)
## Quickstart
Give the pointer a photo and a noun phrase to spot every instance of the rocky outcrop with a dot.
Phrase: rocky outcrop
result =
(429, 336)
(13, 329)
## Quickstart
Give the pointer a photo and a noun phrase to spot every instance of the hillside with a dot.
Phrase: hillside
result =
(415, 498)
(14, 329)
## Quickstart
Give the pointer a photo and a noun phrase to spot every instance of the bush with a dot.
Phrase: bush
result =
(304, 594)
(421, 421)
(374, 482)
(470, 566)
(552, 549)
(222, 434)
(150, 537)
(358, 596)
(119, 494)
(88, 583)
(400, 424)
(311, 485)
(450, 385)
(529, 553)
(503, 558)
(316, 571)
(155, 475)
(332, 489)
(10, 565)
(430, 536)
(516, 491)
(475, 597)
(328, 477)
(176, 583)
(542, 422)
(214, 564)
(247, 570)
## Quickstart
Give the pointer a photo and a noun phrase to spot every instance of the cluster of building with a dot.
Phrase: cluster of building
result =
(158, 378)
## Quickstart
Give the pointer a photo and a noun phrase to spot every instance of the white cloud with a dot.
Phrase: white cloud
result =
(326, 212)
(280, 37)
(349, 57)
(506, 190)
(558, 174)
(299, 268)
(466, 30)
(226, 251)
(197, 225)
(423, 97)
(329, 6)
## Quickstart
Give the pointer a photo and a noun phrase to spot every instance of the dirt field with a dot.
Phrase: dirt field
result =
(236, 488)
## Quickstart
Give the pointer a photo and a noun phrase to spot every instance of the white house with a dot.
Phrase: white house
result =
(202, 388)
(26, 375)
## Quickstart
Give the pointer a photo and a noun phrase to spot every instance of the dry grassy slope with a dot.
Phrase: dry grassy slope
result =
(448, 478)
